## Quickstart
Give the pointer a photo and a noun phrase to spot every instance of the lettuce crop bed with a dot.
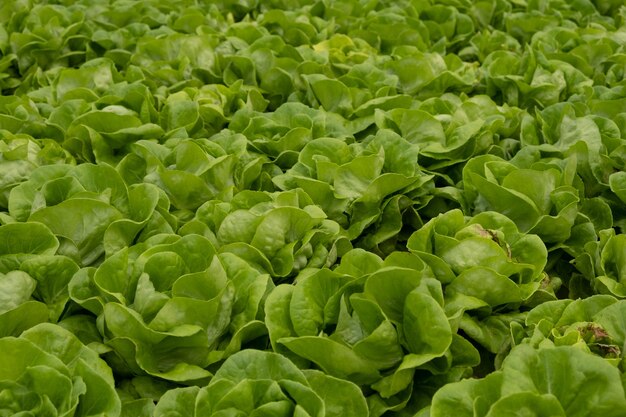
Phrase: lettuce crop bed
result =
(312, 208)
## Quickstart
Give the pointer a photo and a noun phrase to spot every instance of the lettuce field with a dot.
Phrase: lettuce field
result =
(322, 208)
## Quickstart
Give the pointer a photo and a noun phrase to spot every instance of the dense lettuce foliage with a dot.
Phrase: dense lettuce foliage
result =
(312, 208)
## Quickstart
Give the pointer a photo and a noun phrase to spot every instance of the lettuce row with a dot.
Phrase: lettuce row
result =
(182, 186)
